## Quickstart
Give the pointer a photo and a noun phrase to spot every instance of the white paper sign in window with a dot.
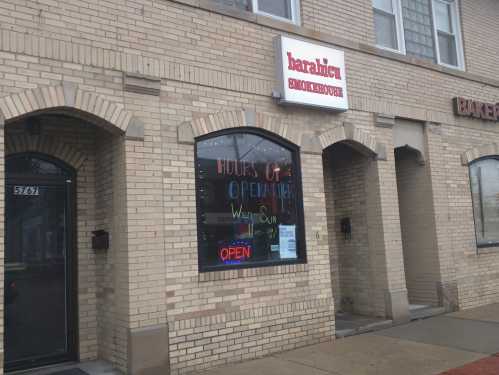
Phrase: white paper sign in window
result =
(310, 74)
(287, 241)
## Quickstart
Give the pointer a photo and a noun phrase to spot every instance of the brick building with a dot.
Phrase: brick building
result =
(168, 208)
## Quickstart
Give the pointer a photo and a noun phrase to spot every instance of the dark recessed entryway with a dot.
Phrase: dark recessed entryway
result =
(40, 272)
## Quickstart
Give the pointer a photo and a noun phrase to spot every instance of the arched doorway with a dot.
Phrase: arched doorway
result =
(352, 200)
(105, 144)
(345, 173)
(64, 166)
(40, 261)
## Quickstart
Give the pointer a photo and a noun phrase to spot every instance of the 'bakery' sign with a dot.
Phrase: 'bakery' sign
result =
(476, 109)
(310, 74)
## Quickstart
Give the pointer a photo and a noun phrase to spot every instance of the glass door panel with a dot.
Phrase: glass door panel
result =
(36, 273)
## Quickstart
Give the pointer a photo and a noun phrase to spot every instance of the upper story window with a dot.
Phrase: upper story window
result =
(484, 179)
(388, 25)
(427, 29)
(285, 10)
(249, 201)
(418, 29)
(448, 36)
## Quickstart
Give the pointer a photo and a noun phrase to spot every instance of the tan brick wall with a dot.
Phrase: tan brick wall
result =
(210, 63)
(228, 316)
(475, 270)
(109, 207)
(355, 22)
(390, 293)
(480, 29)
(113, 344)
(345, 174)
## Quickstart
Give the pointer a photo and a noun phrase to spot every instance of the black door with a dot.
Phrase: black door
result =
(39, 262)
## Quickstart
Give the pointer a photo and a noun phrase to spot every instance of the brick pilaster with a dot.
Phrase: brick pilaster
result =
(385, 240)
(447, 285)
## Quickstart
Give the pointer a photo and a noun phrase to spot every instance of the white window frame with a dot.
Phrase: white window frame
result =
(456, 24)
(399, 27)
(295, 12)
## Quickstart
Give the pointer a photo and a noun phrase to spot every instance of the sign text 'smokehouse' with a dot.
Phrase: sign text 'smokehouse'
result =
(310, 74)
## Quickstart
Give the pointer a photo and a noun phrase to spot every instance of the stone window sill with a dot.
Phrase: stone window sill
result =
(484, 249)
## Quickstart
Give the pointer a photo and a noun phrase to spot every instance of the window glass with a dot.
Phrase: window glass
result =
(280, 8)
(238, 4)
(388, 24)
(248, 202)
(484, 176)
(28, 164)
(443, 16)
(447, 48)
(447, 32)
(386, 31)
(385, 5)
(418, 29)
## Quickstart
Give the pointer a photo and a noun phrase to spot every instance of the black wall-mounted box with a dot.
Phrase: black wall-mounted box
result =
(100, 240)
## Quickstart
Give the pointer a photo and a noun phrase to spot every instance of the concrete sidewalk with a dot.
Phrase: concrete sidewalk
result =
(430, 346)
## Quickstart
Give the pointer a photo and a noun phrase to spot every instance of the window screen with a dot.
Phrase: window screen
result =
(446, 31)
(280, 8)
(237, 4)
(385, 24)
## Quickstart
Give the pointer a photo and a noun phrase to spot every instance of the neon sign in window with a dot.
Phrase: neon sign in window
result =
(249, 201)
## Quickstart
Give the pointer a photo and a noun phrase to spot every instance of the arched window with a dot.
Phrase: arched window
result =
(484, 177)
(35, 164)
(249, 201)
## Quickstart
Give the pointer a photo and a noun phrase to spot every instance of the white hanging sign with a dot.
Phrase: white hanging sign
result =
(310, 74)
